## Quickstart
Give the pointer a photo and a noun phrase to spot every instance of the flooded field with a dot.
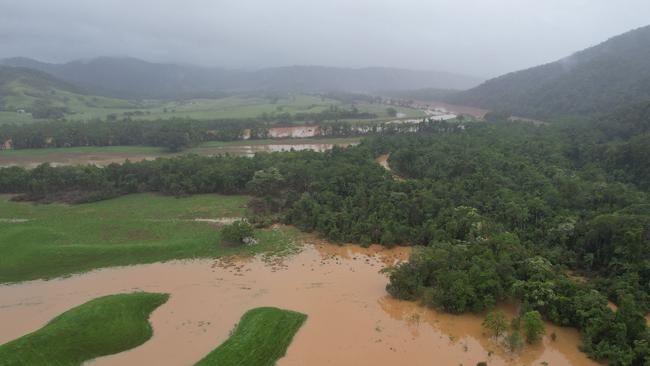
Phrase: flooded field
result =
(351, 320)
(102, 156)
(294, 132)
(453, 108)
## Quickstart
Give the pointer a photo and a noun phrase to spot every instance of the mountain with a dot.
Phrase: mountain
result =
(129, 77)
(591, 81)
(133, 78)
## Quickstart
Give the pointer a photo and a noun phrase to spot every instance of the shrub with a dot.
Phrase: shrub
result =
(237, 232)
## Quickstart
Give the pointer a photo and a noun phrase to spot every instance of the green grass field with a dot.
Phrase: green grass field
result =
(85, 150)
(60, 239)
(100, 327)
(238, 107)
(261, 338)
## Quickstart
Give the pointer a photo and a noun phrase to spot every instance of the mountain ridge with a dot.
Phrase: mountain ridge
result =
(135, 78)
(589, 81)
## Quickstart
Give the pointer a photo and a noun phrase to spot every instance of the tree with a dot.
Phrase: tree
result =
(237, 232)
(391, 112)
(495, 322)
(266, 182)
(496, 116)
(533, 326)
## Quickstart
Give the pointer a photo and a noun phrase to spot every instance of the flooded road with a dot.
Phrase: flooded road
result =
(351, 320)
(383, 161)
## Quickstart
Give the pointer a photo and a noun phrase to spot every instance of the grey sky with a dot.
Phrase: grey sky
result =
(478, 37)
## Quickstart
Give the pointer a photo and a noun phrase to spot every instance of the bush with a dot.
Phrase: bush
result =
(237, 232)
(533, 326)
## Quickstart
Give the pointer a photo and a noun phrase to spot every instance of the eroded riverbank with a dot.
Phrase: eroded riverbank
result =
(351, 320)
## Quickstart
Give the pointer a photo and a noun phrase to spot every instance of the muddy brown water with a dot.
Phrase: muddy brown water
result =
(351, 319)
(383, 161)
(103, 158)
(455, 108)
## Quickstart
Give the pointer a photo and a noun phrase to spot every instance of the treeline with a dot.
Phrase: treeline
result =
(176, 134)
(332, 113)
(475, 275)
(173, 134)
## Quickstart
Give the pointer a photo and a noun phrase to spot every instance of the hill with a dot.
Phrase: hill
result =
(133, 78)
(591, 81)
(28, 95)
(26, 92)
(10, 76)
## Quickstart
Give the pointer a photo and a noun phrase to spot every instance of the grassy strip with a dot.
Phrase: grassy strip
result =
(261, 338)
(100, 327)
(85, 150)
(62, 239)
(83, 108)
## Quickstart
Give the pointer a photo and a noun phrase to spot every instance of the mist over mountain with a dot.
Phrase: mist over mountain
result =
(134, 78)
(594, 80)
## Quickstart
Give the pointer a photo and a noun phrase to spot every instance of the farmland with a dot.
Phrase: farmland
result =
(82, 107)
(47, 241)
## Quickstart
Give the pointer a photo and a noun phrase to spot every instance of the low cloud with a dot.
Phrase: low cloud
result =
(483, 38)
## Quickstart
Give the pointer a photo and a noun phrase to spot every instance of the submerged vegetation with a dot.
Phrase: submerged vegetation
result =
(100, 327)
(260, 339)
(501, 210)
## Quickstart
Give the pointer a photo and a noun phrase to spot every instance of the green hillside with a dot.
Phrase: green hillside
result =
(594, 80)
(26, 95)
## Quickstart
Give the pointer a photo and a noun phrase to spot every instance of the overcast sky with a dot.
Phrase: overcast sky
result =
(477, 37)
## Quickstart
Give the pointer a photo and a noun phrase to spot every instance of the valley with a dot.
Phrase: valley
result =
(324, 183)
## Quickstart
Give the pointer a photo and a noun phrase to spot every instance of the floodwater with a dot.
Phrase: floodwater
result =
(63, 156)
(351, 319)
(452, 108)
(250, 150)
(383, 161)
(294, 132)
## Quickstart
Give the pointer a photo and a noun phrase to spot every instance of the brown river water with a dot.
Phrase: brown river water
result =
(62, 156)
(352, 321)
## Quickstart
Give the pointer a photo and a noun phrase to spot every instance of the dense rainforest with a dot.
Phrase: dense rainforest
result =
(556, 217)
(592, 81)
